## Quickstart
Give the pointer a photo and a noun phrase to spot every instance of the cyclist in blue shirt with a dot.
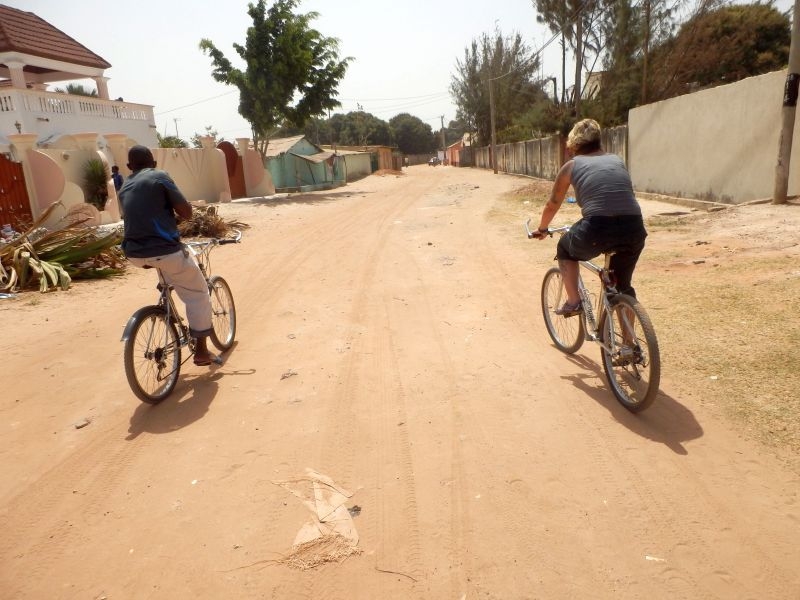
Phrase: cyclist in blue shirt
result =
(150, 201)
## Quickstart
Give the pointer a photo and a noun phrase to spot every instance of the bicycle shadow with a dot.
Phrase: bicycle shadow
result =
(188, 403)
(667, 421)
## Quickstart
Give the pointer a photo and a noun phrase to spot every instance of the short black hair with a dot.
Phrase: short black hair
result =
(140, 157)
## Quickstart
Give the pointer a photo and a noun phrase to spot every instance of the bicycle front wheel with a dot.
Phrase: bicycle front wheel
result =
(567, 333)
(223, 315)
(152, 355)
(630, 353)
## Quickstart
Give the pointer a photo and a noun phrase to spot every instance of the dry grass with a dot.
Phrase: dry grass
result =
(721, 289)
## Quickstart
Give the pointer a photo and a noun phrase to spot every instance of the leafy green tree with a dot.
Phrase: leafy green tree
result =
(170, 141)
(359, 128)
(722, 46)
(292, 71)
(512, 68)
(413, 136)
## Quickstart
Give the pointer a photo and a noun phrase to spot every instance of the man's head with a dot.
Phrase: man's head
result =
(140, 157)
(115, 169)
(584, 137)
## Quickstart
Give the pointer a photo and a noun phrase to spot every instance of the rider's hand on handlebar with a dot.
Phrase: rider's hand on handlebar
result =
(538, 234)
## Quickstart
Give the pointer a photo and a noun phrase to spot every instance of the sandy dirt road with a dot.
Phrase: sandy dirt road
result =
(390, 340)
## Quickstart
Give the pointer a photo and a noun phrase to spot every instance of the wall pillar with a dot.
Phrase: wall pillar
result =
(21, 144)
(86, 141)
(118, 146)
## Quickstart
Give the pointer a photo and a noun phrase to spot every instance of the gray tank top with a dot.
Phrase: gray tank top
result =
(603, 186)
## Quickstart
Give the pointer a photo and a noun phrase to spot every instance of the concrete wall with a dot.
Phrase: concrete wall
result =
(357, 165)
(537, 158)
(718, 144)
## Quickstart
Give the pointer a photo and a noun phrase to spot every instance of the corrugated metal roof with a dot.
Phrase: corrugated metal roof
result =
(314, 158)
(25, 32)
(279, 146)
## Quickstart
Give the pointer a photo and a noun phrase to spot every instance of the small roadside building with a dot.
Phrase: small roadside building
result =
(459, 154)
(297, 165)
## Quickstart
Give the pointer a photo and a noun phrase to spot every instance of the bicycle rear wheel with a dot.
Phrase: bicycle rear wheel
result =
(152, 355)
(567, 333)
(633, 366)
(223, 315)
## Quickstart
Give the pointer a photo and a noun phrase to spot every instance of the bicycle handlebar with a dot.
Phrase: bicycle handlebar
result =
(550, 230)
(217, 241)
(234, 240)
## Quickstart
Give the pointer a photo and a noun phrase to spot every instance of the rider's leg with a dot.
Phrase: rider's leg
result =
(569, 274)
(181, 271)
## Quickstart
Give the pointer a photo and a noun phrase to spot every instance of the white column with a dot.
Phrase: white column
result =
(102, 87)
(17, 76)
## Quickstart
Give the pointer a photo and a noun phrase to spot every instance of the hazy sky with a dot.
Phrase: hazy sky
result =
(404, 52)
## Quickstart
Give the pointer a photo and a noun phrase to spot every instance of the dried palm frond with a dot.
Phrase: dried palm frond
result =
(53, 258)
(206, 222)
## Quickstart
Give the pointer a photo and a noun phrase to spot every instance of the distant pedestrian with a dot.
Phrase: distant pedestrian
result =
(116, 177)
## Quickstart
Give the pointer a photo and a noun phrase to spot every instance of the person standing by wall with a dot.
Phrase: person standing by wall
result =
(117, 178)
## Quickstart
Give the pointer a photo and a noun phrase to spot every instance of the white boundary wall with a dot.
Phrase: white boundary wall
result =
(717, 144)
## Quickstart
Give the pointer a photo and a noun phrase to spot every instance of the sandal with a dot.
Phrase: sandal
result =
(204, 362)
(569, 310)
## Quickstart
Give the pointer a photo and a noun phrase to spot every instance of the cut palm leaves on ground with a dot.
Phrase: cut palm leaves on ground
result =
(52, 259)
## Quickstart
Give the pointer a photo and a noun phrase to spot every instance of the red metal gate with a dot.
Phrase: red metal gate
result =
(235, 169)
(15, 207)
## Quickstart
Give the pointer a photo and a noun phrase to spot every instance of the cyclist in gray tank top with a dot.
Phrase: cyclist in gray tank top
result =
(611, 218)
(603, 186)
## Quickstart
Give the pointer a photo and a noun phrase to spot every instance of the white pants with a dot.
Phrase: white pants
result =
(181, 271)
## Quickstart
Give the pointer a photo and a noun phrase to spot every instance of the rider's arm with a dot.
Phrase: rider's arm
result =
(176, 199)
(559, 191)
(184, 210)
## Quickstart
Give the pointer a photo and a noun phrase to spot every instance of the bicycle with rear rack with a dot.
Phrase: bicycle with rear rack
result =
(618, 323)
(155, 335)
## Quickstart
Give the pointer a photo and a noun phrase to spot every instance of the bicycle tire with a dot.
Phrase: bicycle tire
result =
(152, 355)
(567, 333)
(223, 314)
(633, 373)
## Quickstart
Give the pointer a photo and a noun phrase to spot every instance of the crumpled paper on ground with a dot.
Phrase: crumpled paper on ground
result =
(330, 535)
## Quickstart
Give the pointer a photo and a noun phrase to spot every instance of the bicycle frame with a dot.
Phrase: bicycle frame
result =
(202, 253)
(608, 290)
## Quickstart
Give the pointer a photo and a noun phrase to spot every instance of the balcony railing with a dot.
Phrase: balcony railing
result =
(51, 114)
(47, 103)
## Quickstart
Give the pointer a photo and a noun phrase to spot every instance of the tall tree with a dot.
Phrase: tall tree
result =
(292, 71)
(412, 135)
(577, 23)
(506, 62)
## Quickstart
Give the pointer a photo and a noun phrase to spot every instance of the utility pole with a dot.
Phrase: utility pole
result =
(646, 49)
(444, 146)
(175, 120)
(491, 120)
(788, 112)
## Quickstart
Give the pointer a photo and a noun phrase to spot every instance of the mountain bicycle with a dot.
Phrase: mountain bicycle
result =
(620, 325)
(155, 335)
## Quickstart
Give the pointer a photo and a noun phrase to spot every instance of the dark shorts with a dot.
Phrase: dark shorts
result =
(592, 236)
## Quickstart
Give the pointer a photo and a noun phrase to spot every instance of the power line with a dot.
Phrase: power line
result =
(164, 112)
